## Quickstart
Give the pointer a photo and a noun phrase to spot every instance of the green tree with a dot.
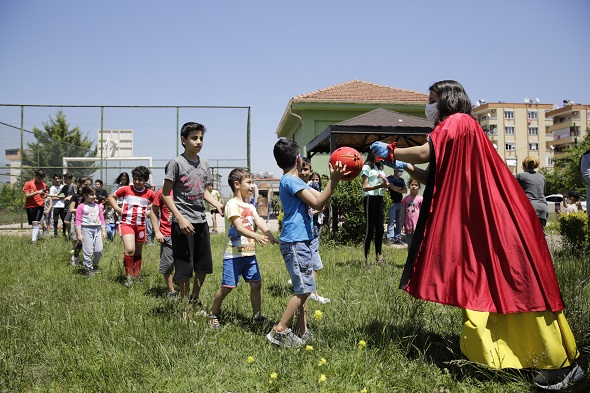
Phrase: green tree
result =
(54, 142)
(566, 174)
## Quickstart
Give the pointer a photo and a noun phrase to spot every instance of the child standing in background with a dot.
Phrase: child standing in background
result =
(35, 191)
(110, 218)
(411, 205)
(136, 201)
(90, 230)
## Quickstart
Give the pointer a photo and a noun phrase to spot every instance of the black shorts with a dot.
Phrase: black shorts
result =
(213, 211)
(35, 214)
(192, 253)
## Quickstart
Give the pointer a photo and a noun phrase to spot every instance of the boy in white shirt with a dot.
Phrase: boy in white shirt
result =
(239, 257)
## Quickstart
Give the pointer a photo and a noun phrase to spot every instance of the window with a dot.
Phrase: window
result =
(511, 146)
(533, 146)
(510, 130)
(533, 130)
(533, 115)
(549, 162)
(508, 114)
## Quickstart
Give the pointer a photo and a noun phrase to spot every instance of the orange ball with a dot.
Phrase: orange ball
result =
(349, 157)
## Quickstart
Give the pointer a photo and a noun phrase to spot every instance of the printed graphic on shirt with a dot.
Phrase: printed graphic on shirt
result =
(239, 245)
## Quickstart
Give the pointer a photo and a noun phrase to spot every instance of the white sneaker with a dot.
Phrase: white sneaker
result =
(319, 299)
(75, 261)
(290, 282)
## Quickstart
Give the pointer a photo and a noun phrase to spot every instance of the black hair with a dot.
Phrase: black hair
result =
(99, 182)
(121, 175)
(371, 161)
(39, 172)
(237, 175)
(453, 99)
(141, 172)
(189, 127)
(82, 179)
(88, 190)
(574, 194)
(305, 160)
(58, 175)
(68, 175)
(286, 152)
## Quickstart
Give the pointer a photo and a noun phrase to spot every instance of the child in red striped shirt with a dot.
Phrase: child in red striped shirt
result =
(132, 217)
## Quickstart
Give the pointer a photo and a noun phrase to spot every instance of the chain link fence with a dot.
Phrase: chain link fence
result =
(155, 138)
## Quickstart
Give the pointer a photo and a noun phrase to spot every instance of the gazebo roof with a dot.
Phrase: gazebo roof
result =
(377, 125)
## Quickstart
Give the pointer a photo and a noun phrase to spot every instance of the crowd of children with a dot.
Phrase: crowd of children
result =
(177, 213)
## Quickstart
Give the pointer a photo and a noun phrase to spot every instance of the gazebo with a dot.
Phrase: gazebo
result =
(377, 125)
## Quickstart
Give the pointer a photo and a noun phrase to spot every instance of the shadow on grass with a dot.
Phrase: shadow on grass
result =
(280, 291)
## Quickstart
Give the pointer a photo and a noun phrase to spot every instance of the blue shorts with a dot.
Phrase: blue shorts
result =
(299, 264)
(246, 267)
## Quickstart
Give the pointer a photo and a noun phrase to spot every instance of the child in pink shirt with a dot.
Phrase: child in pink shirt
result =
(411, 205)
(90, 229)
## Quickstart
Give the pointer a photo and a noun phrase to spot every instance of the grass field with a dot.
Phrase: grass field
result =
(62, 331)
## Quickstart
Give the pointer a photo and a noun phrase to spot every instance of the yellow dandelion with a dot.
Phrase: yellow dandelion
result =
(318, 314)
(322, 378)
(250, 359)
(322, 362)
(362, 344)
(309, 348)
(274, 376)
(364, 390)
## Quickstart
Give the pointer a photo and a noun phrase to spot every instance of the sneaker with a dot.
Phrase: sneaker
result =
(90, 273)
(308, 337)
(214, 321)
(286, 338)
(259, 319)
(368, 265)
(75, 261)
(320, 299)
(96, 269)
(560, 378)
(290, 282)
(129, 281)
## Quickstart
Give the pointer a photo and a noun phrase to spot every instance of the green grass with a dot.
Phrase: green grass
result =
(62, 331)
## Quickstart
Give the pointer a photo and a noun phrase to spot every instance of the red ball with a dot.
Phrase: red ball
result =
(349, 157)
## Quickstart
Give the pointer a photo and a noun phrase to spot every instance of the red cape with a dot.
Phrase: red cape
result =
(479, 243)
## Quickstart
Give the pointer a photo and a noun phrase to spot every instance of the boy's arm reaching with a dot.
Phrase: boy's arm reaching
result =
(260, 223)
(336, 173)
(242, 230)
(155, 212)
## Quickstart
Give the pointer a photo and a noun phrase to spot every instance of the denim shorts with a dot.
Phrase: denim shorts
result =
(246, 267)
(315, 254)
(299, 264)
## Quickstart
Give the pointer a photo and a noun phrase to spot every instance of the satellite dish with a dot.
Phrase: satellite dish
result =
(482, 101)
(489, 114)
(528, 100)
(552, 147)
(538, 100)
(495, 146)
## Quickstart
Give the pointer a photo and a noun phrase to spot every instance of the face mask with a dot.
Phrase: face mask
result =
(431, 111)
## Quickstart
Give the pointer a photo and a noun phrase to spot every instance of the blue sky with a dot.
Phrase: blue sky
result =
(262, 53)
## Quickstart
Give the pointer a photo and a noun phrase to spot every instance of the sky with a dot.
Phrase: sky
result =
(260, 54)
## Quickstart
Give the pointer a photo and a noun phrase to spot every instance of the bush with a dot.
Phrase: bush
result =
(280, 218)
(574, 229)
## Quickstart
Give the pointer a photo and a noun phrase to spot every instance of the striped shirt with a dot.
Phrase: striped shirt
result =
(135, 204)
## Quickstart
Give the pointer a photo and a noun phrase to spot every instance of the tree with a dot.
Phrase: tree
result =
(57, 141)
(566, 174)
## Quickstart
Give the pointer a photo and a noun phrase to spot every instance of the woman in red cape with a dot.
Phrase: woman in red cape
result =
(479, 246)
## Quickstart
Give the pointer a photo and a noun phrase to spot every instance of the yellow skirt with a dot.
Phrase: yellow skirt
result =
(541, 340)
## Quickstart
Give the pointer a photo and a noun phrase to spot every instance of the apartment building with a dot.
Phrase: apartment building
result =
(570, 123)
(518, 130)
